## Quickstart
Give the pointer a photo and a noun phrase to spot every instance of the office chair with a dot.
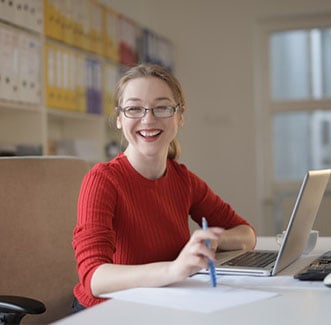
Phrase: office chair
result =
(14, 308)
(38, 198)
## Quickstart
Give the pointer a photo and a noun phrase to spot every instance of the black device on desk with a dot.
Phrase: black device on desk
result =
(317, 270)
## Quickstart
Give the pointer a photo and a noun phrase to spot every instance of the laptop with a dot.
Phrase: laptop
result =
(295, 237)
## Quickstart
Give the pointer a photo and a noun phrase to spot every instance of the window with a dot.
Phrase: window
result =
(300, 72)
(293, 65)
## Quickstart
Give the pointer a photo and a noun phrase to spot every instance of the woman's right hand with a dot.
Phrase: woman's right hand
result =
(195, 254)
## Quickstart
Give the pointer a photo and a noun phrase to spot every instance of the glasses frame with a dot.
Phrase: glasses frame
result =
(174, 110)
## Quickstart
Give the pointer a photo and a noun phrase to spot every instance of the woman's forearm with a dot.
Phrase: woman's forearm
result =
(240, 237)
(113, 277)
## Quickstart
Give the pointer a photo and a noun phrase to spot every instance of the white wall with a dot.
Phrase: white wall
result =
(214, 41)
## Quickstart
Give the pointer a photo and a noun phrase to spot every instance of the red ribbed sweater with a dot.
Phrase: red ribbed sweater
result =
(124, 218)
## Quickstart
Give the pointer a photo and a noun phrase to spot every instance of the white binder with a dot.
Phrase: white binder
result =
(30, 69)
(2, 62)
(36, 16)
(7, 9)
(10, 56)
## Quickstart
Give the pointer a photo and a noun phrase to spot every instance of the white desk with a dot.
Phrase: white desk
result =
(291, 306)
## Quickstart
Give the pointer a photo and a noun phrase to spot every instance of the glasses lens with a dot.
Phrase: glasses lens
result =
(163, 111)
(134, 111)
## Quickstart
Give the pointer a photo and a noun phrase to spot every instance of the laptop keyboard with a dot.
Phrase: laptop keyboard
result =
(252, 259)
(316, 270)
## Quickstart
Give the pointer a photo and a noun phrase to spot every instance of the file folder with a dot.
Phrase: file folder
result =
(2, 61)
(53, 19)
(68, 77)
(65, 78)
(10, 66)
(157, 49)
(50, 76)
(80, 83)
(29, 79)
(7, 11)
(97, 80)
(61, 75)
(28, 14)
(36, 17)
(57, 76)
(71, 81)
(85, 20)
(96, 27)
(78, 23)
(128, 34)
(67, 21)
(94, 88)
(110, 27)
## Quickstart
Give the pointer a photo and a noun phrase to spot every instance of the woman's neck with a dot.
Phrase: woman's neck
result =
(153, 167)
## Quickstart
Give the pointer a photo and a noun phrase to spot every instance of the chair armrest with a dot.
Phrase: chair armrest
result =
(14, 308)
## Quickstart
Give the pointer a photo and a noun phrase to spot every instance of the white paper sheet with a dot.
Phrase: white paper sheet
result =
(194, 294)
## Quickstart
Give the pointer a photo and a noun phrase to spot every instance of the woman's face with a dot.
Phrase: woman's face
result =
(149, 135)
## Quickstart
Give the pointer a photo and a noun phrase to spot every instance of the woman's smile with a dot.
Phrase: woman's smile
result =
(150, 134)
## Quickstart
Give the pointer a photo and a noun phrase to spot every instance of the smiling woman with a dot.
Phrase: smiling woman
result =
(133, 211)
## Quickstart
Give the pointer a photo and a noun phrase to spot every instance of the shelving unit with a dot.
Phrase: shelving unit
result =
(81, 40)
(21, 125)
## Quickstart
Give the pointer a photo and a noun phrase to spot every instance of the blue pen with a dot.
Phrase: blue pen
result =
(211, 263)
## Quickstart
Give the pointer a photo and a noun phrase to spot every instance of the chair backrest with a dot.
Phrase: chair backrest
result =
(38, 199)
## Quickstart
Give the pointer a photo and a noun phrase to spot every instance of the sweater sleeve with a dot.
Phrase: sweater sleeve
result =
(94, 237)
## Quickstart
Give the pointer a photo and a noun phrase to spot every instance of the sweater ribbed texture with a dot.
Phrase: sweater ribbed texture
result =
(124, 218)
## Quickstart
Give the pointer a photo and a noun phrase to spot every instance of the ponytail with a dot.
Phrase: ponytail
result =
(173, 150)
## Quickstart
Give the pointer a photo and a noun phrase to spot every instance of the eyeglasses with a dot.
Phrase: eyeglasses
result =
(140, 112)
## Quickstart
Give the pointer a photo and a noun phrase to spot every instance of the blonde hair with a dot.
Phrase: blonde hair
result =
(152, 70)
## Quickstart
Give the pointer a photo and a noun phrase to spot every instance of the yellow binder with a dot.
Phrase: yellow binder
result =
(50, 76)
(80, 83)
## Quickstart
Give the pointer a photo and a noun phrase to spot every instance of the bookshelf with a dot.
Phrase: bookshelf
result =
(59, 63)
